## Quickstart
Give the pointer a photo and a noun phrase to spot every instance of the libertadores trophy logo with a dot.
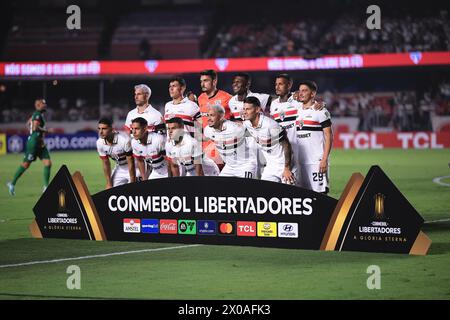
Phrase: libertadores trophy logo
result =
(379, 206)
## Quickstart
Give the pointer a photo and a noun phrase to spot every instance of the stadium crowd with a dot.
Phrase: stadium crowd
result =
(347, 34)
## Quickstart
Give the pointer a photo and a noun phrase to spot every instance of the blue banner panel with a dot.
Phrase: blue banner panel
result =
(55, 142)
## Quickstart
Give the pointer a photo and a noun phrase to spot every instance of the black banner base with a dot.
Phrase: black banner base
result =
(371, 215)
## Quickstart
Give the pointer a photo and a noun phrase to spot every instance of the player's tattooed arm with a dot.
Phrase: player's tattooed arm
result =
(288, 177)
(199, 169)
(107, 172)
(174, 168)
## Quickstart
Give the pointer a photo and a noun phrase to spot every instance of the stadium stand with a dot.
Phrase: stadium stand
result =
(51, 40)
(153, 35)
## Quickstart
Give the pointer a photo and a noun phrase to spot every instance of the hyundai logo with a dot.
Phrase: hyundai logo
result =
(288, 227)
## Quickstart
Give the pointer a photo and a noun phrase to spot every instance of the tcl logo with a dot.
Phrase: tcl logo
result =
(246, 228)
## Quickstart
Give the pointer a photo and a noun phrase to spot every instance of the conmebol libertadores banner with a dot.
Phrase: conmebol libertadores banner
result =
(371, 215)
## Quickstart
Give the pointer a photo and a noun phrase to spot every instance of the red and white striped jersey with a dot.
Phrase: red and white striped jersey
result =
(285, 114)
(310, 138)
(118, 151)
(186, 110)
(153, 117)
(237, 106)
(152, 152)
(231, 143)
(267, 135)
(187, 152)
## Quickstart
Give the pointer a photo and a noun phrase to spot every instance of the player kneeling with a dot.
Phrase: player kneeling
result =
(271, 140)
(149, 150)
(231, 143)
(115, 146)
(184, 150)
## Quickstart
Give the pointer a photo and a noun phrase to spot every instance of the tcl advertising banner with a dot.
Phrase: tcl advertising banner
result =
(403, 140)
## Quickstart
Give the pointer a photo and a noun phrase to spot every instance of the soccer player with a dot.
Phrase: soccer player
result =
(149, 150)
(241, 89)
(284, 111)
(181, 106)
(115, 146)
(35, 146)
(210, 96)
(231, 143)
(144, 109)
(271, 140)
(315, 138)
(183, 150)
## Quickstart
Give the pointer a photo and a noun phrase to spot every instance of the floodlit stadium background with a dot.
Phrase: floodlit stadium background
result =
(388, 92)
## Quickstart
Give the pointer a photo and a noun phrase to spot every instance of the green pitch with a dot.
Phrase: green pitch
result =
(226, 272)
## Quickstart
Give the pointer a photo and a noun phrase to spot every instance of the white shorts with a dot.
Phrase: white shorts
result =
(245, 171)
(120, 175)
(256, 155)
(311, 179)
(159, 173)
(272, 173)
(210, 168)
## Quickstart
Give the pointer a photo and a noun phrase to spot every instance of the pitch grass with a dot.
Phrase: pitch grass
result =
(226, 272)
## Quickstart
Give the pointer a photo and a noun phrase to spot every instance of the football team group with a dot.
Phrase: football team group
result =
(286, 137)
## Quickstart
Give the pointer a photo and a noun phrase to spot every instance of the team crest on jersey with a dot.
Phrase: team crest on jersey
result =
(282, 116)
(301, 124)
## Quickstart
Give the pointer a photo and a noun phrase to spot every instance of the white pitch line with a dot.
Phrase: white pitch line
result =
(434, 221)
(95, 256)
(437, 180)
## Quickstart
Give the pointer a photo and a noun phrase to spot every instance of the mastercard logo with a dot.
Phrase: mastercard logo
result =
(227, 228)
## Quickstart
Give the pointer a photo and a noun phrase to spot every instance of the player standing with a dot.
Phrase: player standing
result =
(144, 109)
(231, 143)
(184, 150)
(35, 146)
(149, 150)
(211, 96)
(271, 140)
(284, 111)
(315, 139)
(182, 107)
(112, 144)
(241, 89)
